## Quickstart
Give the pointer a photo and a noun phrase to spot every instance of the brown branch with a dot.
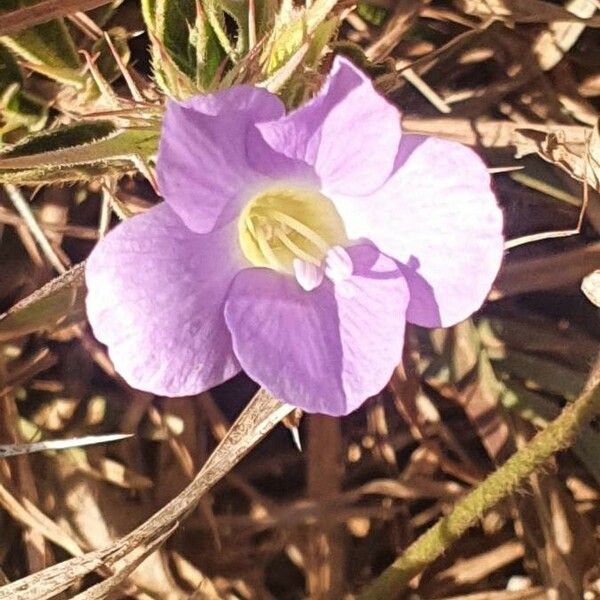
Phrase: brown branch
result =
(44, 11)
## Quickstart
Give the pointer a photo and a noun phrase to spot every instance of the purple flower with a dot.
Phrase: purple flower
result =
(294, 247)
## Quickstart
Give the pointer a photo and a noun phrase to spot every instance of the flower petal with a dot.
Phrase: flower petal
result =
(323, 351)
(155, 298)
(348, 132)
(202, 164)
(437, 216)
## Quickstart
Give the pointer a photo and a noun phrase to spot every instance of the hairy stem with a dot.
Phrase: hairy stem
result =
(500, 484)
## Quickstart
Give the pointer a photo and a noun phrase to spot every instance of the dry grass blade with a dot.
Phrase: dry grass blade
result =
(88, 440)
(490, 133)
(537, 593)
(532, 11)
(473, 569)
(26, 513)
(552, 44)
(42, 12)
(261, 414)
(548, 272)
(400, 22)
(107, 588)
(24, 209)
(580, 159)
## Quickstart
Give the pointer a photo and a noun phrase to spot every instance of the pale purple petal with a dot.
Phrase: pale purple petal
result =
(438, 216)
(322, 351)
(202, 164)
(155, 298)
(348, 132)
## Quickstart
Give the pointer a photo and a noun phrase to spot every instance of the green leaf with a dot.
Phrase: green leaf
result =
(185, 49)
(9, 70)
(209, 55)
(45, 175)
(19, 111)
(57, 139)
(47, 48)
(375, 15)
(292, 29)
(45, 308)
(266, 13)
(238, 11)
(174, 20)
(216, 18)
(149, 13)
(103, 14)
(78, 152)
(298, 85)
(542, 374)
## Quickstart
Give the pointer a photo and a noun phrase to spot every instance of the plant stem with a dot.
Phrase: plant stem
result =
(497, 486)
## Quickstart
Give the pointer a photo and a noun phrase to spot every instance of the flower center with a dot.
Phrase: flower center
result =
(281, 226)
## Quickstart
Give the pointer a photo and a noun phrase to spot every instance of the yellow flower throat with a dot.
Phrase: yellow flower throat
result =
(281, 224)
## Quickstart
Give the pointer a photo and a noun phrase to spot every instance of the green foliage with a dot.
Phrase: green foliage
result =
(102, 15)
(47, 48)
(190, 42)
(19, 111)
(77, 152)
(45, 308)
(174, 20)
(297, 87)
(185, 48)
(41, 315)
(375, 15)
(59, 139)
(292, 30)
(215, 13)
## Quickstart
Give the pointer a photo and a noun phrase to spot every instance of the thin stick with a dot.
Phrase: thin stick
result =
(424, 88)
(559, 435)
(261, 414)
(135, 92)
(536, 237)
(23, 208)
(42, 12)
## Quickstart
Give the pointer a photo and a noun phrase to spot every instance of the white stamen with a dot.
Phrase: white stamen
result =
(338, 264)
(300, 227)
(307, 275)
(295, 249)
(268, 253)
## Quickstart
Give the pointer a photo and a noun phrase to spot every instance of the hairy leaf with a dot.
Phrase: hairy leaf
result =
(19, 111)
(64, 137)
(293, 27)
(77, 153)
(47, 48)
(45, 308)
(185, 49)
